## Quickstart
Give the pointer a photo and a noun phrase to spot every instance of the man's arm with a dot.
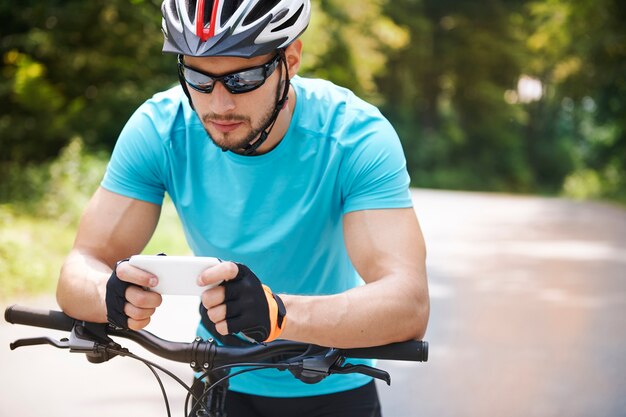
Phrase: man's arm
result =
(113, 227)
(387, 249)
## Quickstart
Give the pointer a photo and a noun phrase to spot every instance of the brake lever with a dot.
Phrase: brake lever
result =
(362, 369)
(312, 369)
(61, 344)
(92, 340)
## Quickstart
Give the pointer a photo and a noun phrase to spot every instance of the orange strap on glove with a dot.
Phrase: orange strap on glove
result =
(252, 308)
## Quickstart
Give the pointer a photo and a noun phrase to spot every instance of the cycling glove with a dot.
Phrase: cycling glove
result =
(115, 299)
(252, 308)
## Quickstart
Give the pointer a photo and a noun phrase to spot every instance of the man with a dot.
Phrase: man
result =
(298, 181)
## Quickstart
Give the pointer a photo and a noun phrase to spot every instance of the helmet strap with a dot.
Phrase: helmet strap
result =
(183, 84)
(250, 149)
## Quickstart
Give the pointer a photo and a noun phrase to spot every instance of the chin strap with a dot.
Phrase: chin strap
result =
(250, 149)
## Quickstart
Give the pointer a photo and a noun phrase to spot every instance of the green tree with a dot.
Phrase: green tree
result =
(348, 43)
(580, 50)
(74, 68)
(446, 91)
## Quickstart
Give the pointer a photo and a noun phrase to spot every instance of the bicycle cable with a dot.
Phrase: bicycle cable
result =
(152, 365)
(254, 367)
(158, 378)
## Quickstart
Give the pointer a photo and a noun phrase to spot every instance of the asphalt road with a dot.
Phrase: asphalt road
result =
(528, 318)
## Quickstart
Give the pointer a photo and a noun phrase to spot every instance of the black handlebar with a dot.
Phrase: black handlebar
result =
(198, 351)
(48, 319)
(309, 363)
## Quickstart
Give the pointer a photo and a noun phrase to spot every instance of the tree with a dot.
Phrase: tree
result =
(75, 68)
(579, 50)
(447, 93)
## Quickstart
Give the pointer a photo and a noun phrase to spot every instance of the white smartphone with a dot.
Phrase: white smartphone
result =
(177, 275)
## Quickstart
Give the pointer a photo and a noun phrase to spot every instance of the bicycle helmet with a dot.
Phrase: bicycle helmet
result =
(238, 28)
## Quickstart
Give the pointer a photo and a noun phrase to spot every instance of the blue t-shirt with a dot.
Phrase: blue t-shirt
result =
(280, 213)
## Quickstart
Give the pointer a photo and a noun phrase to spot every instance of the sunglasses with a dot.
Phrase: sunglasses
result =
(242, 81)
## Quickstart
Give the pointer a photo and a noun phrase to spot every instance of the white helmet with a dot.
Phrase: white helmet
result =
(240, 28)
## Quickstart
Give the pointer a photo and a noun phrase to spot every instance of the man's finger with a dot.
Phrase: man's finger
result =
(127, 272)
(213, 297)
(142, 298)
(217, 314)
(138, 324)
(222, 328)
(223, 271)
(134, 312)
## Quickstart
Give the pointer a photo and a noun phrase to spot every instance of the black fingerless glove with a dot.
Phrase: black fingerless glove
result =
(252, 308)
(115, 299)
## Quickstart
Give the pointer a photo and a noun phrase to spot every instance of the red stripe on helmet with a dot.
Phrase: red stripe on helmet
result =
(213, 18)
(202, 32)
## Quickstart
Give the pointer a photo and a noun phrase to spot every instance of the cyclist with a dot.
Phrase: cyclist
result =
(300, 182)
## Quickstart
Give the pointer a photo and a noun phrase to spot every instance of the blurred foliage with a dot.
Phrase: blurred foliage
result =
(33, 246)
(38, 227)
(454, 94)
(57, 189)
(347, 42)
(446, 72)
(74, 69)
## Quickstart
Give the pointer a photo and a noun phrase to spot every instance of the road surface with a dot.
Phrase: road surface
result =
(528, 318)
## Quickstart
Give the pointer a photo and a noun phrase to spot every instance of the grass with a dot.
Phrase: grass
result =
(31, 253)
(32, 248)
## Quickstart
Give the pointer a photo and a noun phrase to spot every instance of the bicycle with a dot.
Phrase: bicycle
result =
(307, 362)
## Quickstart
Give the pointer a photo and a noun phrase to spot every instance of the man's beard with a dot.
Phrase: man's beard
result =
(227, 140)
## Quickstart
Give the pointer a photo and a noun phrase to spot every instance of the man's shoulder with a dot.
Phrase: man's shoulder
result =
(336, 111)
(164, 107)
(324, 93)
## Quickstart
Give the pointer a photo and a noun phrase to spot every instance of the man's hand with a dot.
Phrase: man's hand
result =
(241, 303)
(129, 305)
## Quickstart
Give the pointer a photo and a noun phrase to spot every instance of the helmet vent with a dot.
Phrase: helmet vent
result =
(289, 22)
(190, 8)
(208, 10)
(280, 15)
(260, 10)
(228, 9)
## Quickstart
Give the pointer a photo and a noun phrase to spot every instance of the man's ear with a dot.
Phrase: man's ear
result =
(293, 54)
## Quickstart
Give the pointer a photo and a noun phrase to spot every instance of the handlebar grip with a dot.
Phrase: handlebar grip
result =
(49, 319)
(413, 350)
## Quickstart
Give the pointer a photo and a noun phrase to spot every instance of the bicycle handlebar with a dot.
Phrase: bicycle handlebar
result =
(48, 319)
(201, 352)
(307, 362)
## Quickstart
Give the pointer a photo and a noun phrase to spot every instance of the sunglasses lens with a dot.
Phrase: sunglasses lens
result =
(197, 80)
(245, 81)
(238, 82)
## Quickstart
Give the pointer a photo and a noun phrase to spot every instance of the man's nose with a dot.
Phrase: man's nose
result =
(221, 99)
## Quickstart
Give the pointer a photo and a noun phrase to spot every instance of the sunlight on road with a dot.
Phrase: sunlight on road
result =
(527, 295)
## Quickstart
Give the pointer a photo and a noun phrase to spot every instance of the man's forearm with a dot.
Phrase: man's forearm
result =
(389, 310)
(81, 288)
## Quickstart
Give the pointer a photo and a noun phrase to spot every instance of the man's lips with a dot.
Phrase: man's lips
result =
(225, 127)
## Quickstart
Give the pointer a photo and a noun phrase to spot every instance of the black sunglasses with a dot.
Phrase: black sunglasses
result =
(242, 81)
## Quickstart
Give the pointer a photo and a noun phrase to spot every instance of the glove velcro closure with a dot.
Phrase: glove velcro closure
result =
(277, 314)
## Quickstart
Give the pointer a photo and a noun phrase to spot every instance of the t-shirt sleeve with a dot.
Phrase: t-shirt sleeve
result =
(139, 161)
(374, 174)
